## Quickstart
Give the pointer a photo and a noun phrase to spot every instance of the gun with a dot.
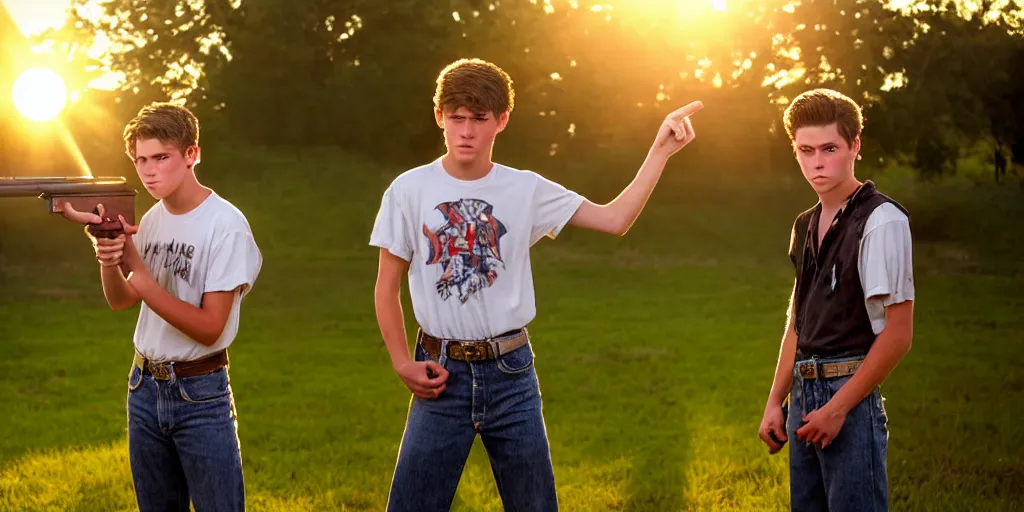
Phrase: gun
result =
(83, 194)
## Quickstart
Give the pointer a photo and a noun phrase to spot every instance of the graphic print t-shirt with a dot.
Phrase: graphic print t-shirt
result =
(468, 244)
(208, 249)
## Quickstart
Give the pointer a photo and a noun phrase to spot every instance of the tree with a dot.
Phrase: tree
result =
(359, 74)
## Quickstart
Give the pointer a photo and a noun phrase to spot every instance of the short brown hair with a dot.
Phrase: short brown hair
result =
(475, 84)
(822, 107)
(164, 121)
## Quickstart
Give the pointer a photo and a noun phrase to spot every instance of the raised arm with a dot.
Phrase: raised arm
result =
(617, 216)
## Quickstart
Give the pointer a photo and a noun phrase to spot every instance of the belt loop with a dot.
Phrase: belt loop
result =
(442, 357)
(494, 348)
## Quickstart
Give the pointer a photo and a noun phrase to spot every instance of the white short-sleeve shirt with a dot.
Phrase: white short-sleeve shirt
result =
(208, 249)
(468, 244)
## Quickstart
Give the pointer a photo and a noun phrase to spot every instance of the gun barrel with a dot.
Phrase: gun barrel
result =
(82, 193)
(78, 185)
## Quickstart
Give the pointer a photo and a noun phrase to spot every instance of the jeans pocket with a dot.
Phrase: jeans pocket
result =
(203, 389)
(134, 377)
(517, 361)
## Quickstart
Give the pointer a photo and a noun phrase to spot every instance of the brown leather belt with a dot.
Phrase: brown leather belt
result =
(182, 369)
(474, 350)
(813, 369)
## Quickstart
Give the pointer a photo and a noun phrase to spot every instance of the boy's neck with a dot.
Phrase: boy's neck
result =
(187, 197)
(834, 199)
(466, 172)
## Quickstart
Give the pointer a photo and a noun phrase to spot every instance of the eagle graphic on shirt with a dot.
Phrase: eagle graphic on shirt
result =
(467, 246)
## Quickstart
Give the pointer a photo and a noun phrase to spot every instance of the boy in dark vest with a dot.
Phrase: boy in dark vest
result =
(850, 319)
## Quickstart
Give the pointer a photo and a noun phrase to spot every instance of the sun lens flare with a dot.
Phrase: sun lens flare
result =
(39, 94)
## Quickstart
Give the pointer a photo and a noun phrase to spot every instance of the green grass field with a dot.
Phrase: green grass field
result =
(655, 351)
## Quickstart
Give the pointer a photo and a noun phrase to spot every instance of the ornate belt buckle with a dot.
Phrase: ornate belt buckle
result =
(472, 352)
(456, 351)
(808, 370)
(160, 371)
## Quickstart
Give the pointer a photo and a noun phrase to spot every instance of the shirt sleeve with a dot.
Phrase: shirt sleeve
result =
(235, 261)
(553, 206)
(390, 228)
(886, 262)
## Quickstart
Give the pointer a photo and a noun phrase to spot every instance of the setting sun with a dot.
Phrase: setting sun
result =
(39, 94)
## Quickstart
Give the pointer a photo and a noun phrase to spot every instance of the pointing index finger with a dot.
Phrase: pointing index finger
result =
(687, 110)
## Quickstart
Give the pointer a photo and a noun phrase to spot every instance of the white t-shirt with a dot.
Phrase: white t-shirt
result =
(208, 249)
(885, 262)
(468, 244)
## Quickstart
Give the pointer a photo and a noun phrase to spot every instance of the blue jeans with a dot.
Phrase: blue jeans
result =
(500, 400)
(183, 443)
(850, 474)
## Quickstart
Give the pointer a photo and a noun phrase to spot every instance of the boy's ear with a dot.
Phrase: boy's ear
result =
(503, 120)
(439, 117)
(192, 156)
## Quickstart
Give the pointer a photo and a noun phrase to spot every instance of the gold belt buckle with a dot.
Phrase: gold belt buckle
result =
(808, 370)
(160, 371)
(472, 352)
(455, 352)
(468, 352)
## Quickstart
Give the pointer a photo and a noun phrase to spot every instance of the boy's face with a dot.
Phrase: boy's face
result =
(469, 136)
(824, 156)
(162, 167)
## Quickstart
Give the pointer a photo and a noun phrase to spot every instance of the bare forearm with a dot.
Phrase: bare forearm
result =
(116, 289)
(890, 346)
(784, 368)
(388, 305)
(196, 323)
(626, 208)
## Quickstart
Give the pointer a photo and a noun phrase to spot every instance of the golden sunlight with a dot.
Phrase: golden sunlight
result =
(718, 5)
(69, 143)
(39, 94)
(33, 17)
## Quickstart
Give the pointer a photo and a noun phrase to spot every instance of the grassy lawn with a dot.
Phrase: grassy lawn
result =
(655, 351)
